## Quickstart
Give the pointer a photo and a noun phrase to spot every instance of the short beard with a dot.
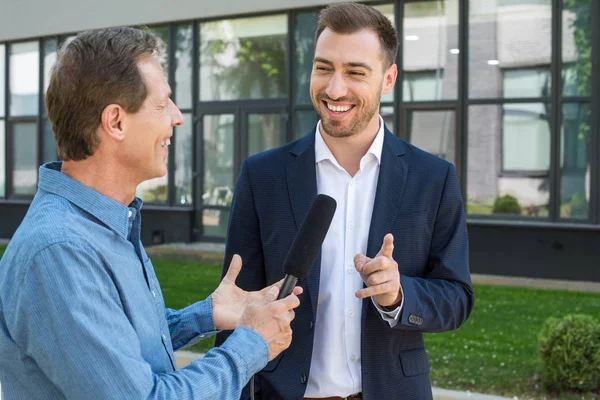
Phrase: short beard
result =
(358, 124)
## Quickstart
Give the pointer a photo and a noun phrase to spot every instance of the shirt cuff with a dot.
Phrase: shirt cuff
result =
(250, 347)
(206, 322)
(392, 317)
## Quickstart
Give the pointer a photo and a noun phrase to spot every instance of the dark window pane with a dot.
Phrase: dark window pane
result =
(306, 24)
(2, 75)
(387, 113)
(163, 33)
(49, 143)
(575, 166)
(24, 152)
(183, 69)
(24, 78)
(264, 132)
(218, 159)
(522, 188)
(305, 122)
(505, 35)
(50, 48)
(183, 161)
(243, 58)
(214, 222)
(432, 131)
(430, 43)
(527, 82)
(577, 47)
(2, 160)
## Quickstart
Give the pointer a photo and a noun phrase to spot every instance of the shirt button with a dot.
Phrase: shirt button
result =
(153, 293)
(353, 358)
(351, 314)
(130, 213)
(350, 270)
(350, 225)
(164, 337)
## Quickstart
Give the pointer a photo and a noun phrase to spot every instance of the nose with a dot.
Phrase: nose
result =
(337, 87)
(177, 116)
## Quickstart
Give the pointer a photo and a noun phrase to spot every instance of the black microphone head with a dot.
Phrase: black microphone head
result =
(310, 237)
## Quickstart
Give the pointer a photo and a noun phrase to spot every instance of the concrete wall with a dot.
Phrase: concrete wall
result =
(21, 19)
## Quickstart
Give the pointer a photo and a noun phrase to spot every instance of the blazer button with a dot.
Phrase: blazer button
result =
(303, 379)
(312, 325)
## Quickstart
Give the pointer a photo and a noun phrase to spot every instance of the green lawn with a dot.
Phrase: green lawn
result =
(494, 352)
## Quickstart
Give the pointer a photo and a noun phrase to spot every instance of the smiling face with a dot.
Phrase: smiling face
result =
(148, 131)
(349, 76)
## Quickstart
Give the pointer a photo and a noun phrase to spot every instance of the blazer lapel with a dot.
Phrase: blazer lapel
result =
(301, 176)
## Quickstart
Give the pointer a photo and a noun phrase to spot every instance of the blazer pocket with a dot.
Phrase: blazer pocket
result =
(271, 365)
(414, 362)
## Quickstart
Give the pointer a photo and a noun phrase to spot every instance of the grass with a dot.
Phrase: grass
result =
(494, 352)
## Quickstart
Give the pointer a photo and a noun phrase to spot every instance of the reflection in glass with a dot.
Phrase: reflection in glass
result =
(429, 42)
(306, 24)
(264, 132)
(183, 161)
(503, 35)
(214, 222)
(243, 58)
(50, 48)
(24, 78)
(24, 151)
(432, 131)
(575, 166)
(387, 113)
(48, 142)
(2, 160)
(163, 57)
(218, 159)
(526, 137)
(183, 67)
(2, 75)
(577, 47)
(489, 190)
(305, 122)
(527, 82)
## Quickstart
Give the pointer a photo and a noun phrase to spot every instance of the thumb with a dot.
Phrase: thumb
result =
(234, 269)
(387, 248)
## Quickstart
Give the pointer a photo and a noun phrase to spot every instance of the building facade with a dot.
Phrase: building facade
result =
(507, 90)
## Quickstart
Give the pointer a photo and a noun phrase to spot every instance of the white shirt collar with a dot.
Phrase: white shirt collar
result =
(322, 151)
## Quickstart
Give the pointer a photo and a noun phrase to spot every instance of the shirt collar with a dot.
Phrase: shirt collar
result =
(322, 151)
(108, 211)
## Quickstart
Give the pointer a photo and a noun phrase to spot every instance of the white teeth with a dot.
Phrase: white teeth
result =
(338, 108)
(165, 143)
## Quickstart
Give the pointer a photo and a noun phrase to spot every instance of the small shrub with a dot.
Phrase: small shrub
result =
(506, 204)
(579, 205)
(570, 352)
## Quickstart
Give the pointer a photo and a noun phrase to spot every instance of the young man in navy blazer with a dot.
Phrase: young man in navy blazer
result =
(394, 263)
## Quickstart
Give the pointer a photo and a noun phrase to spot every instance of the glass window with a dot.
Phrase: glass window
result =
(183, 67)
(264, 132)
(48, 141)
(387, 113)
(489, 191)
(575, 166)
(24, 163)
(306, 25)
(430, 46)
(432, 131)
(305, 121)
(526, 137)
(218, 159)
(577, 47)
(50, 49)
(502, 36)
(389, 11)
(154, 190)
(243, 58)
(183, 161)
(528, 82)
(2, 75)
(2, 160)
(24, 78)
(214, 222)
(162, 32)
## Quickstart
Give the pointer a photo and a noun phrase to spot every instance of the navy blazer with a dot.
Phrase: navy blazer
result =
(418, 200)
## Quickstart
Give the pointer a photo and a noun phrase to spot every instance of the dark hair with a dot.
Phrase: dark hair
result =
(96, 69)
(347, 18)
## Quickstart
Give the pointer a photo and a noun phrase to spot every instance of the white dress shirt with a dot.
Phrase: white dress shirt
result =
(336, 358)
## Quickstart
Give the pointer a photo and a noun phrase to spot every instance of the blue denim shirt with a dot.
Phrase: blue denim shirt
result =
(82, 315)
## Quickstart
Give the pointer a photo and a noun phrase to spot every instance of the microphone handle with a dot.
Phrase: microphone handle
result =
(289, 282)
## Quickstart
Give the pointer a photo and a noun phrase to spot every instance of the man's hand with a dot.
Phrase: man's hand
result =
(381, 275)
(271, 319)
(229, 301)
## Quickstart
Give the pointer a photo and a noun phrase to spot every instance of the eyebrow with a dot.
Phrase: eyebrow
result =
(348, 64)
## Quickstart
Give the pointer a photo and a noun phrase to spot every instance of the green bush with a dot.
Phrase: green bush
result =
(579, 205)
(570, 352)
(506, 204)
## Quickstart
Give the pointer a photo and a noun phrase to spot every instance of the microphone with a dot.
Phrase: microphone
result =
(307, 243)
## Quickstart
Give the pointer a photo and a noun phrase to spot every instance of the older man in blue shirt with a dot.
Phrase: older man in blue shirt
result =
(81, 311)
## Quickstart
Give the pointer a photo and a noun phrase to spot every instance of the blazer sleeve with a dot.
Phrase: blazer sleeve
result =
(442, 300)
